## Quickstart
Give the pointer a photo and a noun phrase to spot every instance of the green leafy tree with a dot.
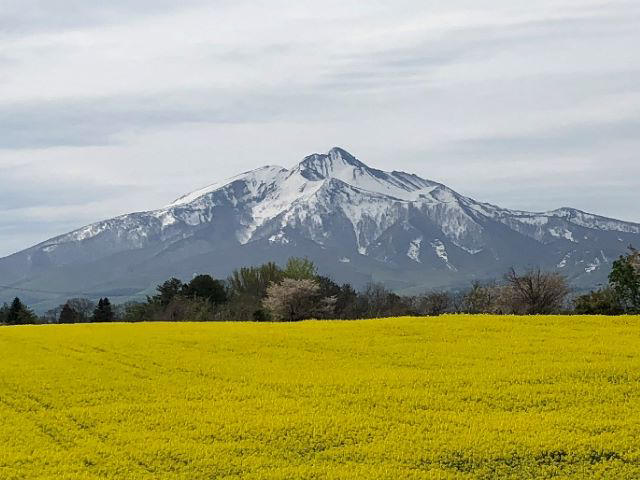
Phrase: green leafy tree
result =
(140, 312)
(344, 297)
(248, 287)
(300, 268)
(600, 302)
(253, 281)
(168, 291)
(205, 287)
(624, 280)
(328, 288)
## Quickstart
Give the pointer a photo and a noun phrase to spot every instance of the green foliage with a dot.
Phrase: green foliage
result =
(242, 297)
(248, 287)
(300, 269)
(625, 281)
(261, 315)
(19, 314)
(197, 300)
(168, 291)
(205, 287)
(140, 312)
(328, 288)
(253, 281)
(103, 311)
(600, 302)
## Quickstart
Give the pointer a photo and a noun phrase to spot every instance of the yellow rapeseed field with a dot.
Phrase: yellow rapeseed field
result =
(407, 398)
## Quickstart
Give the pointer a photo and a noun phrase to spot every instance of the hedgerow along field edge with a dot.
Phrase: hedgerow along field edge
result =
(442, 397)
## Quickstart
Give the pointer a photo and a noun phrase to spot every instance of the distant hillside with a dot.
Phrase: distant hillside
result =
(357, 223)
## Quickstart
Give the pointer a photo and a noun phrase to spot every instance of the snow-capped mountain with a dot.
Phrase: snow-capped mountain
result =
(358, 223)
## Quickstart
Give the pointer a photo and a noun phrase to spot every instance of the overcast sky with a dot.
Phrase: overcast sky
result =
(120, 106)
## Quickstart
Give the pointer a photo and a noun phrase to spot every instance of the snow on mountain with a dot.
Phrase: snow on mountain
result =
(343, 166)
(335, 208)
(370, 199)
(255, 180)
(414, 250)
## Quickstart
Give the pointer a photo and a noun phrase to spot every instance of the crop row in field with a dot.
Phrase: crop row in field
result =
(445, 397)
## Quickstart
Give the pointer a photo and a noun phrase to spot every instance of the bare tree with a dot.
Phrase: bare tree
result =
(292, 300)
(83, 306)
(434, 303)
(537, 292)
(377, 301)
(481, 299)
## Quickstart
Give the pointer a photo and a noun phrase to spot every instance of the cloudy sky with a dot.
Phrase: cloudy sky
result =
(120, 106)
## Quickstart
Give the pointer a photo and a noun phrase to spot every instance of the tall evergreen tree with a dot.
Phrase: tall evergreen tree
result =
(103, 311)
(4, 311)
(109, 315)
(18, 314)
(97, 313)
(168, 291)
(13, 316)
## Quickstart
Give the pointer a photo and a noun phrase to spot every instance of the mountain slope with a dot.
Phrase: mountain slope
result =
(360, 224)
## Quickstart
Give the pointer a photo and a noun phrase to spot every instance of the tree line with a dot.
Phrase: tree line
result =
(296, 291)
(621, 295)
(75, 310)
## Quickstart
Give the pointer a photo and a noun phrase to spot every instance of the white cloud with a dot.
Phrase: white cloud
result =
(139, 101)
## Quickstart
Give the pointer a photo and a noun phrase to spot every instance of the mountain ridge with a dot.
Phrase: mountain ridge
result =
(355, 221)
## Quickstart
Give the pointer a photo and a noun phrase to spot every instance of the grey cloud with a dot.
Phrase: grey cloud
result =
(19, 17)
(18, 232)
(609, 198)
(32, 210)
(99, 121)
(577, 138)
(13, 195)
(410, 100)
(414, 64)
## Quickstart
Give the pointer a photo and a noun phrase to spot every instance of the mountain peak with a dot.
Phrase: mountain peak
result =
(337, 152)
(331, 164)
(396, 226)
